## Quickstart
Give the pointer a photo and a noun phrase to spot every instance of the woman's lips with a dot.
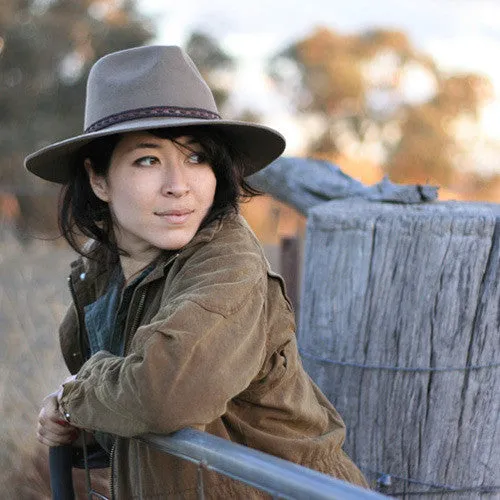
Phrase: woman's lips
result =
(175, 216)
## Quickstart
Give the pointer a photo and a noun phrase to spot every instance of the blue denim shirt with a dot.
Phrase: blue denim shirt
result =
(105, 321)
(105, 318)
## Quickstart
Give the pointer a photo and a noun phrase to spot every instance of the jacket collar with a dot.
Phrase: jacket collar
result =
(96, 271)
(204, 235)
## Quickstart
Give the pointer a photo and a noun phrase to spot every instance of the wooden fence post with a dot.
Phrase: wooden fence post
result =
(289, 253)
(399, 326)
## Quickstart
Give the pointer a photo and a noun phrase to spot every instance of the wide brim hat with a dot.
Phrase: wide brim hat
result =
(146, 88)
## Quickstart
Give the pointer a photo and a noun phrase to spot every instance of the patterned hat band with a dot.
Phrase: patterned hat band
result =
(152, 112)
(146, 87)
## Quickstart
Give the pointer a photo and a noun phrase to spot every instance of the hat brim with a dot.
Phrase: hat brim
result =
(260, 144)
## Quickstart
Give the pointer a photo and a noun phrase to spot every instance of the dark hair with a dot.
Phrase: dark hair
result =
(81, 212)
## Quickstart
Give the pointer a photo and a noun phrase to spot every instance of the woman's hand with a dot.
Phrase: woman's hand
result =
(52, 429)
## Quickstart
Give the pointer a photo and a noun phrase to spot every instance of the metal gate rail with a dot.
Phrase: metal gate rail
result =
(280, 478)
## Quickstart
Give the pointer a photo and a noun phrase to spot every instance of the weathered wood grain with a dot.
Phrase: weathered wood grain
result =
(410, 287)
(306, 182)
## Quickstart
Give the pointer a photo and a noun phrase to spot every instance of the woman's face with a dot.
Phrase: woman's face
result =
(158, 192)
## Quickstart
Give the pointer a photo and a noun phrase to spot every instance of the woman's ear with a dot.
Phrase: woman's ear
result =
(98, 183)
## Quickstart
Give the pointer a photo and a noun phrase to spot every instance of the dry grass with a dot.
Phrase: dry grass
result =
(33, 298)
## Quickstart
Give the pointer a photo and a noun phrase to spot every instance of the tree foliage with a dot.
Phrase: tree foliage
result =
(46, 50)
(212, 60)
(377, 87)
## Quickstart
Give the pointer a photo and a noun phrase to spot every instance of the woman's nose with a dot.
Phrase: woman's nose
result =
(175, 182)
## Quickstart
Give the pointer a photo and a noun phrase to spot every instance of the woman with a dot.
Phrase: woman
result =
(177, 320)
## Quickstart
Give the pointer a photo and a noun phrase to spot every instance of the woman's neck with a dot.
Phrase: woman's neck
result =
(133, 266)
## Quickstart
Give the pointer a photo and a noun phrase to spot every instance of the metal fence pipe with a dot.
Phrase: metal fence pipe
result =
(278, 477)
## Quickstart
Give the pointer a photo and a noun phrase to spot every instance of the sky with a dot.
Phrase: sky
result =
(461, 35)
(458, 33)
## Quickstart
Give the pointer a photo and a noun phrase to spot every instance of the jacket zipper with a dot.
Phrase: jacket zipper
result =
(137, 319)
(111, 476)
(83, 356)
(128, 340)
(78, 316)
(140, 310)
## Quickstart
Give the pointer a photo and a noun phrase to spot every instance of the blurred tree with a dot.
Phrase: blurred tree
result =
(429, 149)
(46, 50)
(376, 96)
(214, 63)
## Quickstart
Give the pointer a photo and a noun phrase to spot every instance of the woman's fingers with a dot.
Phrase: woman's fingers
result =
(55, 429)
(51, 439)
(52, 430)
(56, 435)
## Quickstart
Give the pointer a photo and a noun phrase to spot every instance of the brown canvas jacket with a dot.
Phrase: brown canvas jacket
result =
(210, 345)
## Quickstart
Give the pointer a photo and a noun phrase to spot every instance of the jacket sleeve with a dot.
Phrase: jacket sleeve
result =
(202, 349)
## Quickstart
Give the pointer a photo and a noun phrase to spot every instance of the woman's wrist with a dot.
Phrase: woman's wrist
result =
(64, 413)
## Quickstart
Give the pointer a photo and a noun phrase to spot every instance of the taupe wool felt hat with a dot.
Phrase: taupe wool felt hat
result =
(145, 88)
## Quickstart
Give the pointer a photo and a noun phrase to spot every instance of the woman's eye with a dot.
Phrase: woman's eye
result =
(196, 158)
(147, 161)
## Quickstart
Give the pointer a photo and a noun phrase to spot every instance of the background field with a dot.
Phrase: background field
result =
(33, 298)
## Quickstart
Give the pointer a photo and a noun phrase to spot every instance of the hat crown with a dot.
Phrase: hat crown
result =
(145, 78)
(147, 88)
